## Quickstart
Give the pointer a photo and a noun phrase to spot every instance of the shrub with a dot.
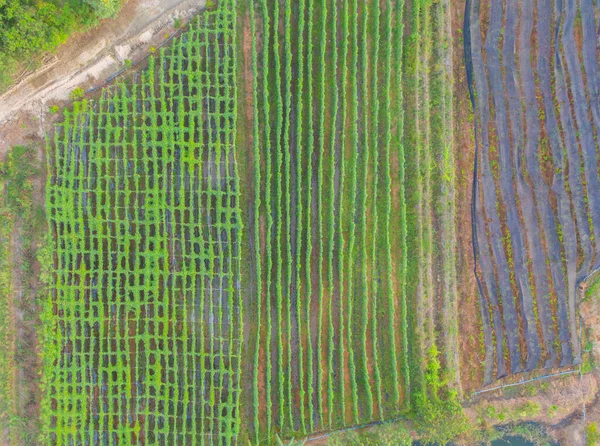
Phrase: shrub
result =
(77, 93)
(105, 8)
(388, 434)
(592, 434)
(529, 409)
(437, 412)
(29, 29)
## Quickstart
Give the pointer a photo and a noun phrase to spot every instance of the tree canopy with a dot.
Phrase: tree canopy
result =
(28, 29)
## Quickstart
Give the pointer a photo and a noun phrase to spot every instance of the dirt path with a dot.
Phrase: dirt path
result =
(86, 60)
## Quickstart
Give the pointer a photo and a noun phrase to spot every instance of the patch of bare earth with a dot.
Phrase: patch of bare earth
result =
(86, 60)
(469, 317)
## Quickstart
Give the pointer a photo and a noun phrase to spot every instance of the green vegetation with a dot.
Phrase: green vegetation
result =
(143, 321)
(28, 29)
(437, 412)
(323, 242)
(7, 330)
(527, 410)
(593, 287)
(105, 8)
(386, 434)
(341, 258)
(77, 94)
(143, 324)
(592, 434)
(21, 222)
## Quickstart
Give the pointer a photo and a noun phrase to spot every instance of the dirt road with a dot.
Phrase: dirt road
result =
(86, 60)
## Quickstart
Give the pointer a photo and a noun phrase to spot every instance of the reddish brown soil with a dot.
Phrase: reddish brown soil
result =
(469, 316)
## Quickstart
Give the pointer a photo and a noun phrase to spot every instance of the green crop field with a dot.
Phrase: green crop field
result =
(143, 328)
(331, 304)
(301, 222)
(351, 212)
(310, 288)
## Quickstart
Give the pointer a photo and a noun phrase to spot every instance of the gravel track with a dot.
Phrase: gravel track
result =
(489, 200)
(507, 178)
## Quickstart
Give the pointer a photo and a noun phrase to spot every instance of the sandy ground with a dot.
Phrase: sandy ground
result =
(87, 60)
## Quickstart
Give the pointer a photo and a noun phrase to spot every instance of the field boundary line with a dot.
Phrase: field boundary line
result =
(347, 429)
(537, 378)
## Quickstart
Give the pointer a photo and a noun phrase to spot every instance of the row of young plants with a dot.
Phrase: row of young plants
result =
(143, 324)
(7, 329)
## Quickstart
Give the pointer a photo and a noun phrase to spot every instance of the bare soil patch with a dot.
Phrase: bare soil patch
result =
(86, 60)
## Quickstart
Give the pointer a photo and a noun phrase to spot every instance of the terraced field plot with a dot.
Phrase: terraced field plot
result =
(346, 267)
(346, 195)
(143, 331)
(306, 220)
(535, 71)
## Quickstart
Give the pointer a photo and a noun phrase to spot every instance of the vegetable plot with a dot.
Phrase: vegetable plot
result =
(335, 251)
(537, 217)
(144, 321)
(327, 140)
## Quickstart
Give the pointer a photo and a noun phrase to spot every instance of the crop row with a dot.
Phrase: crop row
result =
(429, 185)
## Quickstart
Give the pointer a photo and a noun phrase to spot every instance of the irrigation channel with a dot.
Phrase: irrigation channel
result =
(143, 325)
(536, 208)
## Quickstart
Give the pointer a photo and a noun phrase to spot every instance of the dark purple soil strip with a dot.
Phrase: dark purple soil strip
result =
(544, 18)
(574, 161)
(590, 57)
(538, 258)
(490, 199)
(506, 179)
(487, 269)
(478, 232)
(580, 104)
(590, 63)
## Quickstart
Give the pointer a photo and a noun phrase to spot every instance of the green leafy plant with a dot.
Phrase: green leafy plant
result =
(592, 434)
(77, 94)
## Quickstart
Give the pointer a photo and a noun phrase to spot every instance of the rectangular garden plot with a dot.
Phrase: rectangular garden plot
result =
(537, 208)
(143, 324)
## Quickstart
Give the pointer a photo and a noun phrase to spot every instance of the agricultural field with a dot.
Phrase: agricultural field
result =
(537, 208)
(312, 222)
(345, 317)
(143, 329)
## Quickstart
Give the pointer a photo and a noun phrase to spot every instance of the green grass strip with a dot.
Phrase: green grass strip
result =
(257, 253)
(299, 209)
